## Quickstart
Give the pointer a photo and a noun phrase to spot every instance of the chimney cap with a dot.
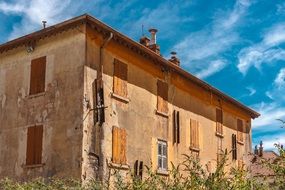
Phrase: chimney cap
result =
(153, 30)
(173, 53)
(44, 23)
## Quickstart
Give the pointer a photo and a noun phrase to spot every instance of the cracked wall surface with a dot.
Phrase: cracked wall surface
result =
(74, 144)
(144, 126)
(58, 109)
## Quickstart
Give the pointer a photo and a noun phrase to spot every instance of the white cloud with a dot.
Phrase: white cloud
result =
(267, 51)
(214, 67)
(251, 90)
(206, 45)
(280, 79)
(270, 112)
(10, 8)
(270, 141)
(35, 11)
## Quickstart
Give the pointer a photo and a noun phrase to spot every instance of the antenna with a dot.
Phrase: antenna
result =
(142, 30)
(44, 23)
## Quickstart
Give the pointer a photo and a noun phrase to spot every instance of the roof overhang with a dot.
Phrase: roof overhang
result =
(133, 45)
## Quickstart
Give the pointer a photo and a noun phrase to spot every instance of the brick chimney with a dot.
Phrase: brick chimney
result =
(174, 59)
(144, 41)
(260, 151)
(255, 150)
(152, 43)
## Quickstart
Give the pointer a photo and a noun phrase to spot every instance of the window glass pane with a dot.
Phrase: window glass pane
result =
(164, 150)
(159, 149)
(159, 162)
(164, 163)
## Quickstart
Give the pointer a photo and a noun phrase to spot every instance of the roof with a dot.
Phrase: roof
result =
(258, 169)
(133, 45)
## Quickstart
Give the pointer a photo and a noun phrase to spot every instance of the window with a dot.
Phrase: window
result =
(194, 134)
(37, 77)
(220, 152)
(234, 147)
(162, 96)
(176, 127)
(119, 145)
(34, 145)
(219, 121)
(138, 169)
(239, 130)
(120, 78)
(162, 155)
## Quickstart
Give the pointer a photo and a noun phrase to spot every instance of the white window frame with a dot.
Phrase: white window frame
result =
(162, 155)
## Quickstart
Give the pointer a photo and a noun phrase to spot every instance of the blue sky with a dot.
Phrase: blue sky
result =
(237, 46)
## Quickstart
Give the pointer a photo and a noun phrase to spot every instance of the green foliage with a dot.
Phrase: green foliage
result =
(187, 175)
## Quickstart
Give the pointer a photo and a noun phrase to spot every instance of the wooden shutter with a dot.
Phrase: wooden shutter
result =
(119, 145)
(234, 147)
(197, 135)
(34, 145)
(178, 126)
(219, 121)
(30, 146)
(162, 96)
(141, 169)
(240, 130)
(123, 144)
(37, 77)
(120, 78)
(174, 127)
(194, 134)
(38, 132)
(115, 148)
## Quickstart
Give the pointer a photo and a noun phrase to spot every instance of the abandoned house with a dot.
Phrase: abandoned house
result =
(78, 98)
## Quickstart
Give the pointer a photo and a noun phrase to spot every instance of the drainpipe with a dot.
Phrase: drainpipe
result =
(100, 107)
(99, 83)
(105, 43)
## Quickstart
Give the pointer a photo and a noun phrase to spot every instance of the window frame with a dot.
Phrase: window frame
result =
(219, 122)
(163, 155)
(120, 76)
(162, 98)
(194, 146)
(32, 156)
(176, 127)
(35, 72)
(240, 135)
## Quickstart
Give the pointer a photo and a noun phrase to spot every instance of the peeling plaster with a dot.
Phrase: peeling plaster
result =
(3, 100)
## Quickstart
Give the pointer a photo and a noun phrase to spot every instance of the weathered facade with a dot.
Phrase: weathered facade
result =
(106, 101)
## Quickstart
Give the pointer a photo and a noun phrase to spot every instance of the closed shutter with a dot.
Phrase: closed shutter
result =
(38, 132)
(162, 96)
(37, 77)
(240, 130)
(141, 169)
(174, 127)
(178, 126)
(30, 146)
(119, 145)
(234, 147)
(115, 146)
(192, 140)
(34, 145)
(123, 144)
(219, 120)
(194, 134)
(120, 78)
